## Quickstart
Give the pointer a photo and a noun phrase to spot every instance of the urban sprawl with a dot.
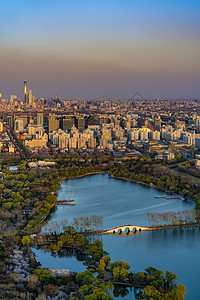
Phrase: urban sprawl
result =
(127, 127)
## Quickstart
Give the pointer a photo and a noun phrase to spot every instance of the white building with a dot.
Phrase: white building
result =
(19, 125)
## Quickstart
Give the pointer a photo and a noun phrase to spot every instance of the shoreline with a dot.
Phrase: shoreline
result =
(83, 175)
(147, 184)
(61, 179)
(131, 180)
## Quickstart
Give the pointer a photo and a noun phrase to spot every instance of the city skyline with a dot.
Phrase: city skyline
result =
(100, 49)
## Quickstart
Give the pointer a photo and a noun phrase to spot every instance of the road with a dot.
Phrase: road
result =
(14, 140)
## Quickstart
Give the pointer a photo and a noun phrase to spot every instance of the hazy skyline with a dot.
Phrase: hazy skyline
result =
(100, 48)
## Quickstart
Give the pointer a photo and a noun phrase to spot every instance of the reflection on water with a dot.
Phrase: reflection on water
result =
(69, 253)
(121, 291)
(175, 250)
(122, 202)
(119, 202)
(66, 259)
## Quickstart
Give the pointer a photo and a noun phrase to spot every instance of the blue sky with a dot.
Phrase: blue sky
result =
(94, 48)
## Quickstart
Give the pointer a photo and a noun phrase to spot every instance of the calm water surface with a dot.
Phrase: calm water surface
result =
(122, 203)
(50, 261)
(119, 202)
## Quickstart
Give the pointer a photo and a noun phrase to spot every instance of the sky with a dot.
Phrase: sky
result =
(96, 48)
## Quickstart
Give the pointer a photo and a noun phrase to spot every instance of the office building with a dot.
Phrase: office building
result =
(53, 125)
(68, 122)
(40, 119)
(25, 92)
(30, 97)
(80, 123)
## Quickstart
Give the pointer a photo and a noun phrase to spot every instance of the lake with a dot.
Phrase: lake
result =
(126, 203)
(119, 202)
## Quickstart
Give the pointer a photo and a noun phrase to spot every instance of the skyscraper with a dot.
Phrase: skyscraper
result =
(40, 119)
(30, 97)
(25, 92)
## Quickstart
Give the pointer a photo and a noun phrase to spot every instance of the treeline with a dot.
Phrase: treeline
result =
(91, 223)
(78, 164)
(81, 224)
(185, 217)
(26, 197)
(189, 167)
(54, 226)
(152, 172)
(101, 280)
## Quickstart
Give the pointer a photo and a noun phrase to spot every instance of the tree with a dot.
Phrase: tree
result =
(150, 293)
(120, 270)
(116, 273)
(27, 240)
(170, 279)
(43, 274)
(96, 250)
(101, 267)
(93, 288)
(105, 261)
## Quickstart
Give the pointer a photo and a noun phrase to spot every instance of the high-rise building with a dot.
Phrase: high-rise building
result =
(72, 143)
(13, 98)
(68, 122)
(103, 143)
(25, 120)
(52, 117)
(53, 125)
(91, 142)
(40, 119)
(80, 123)
(25, 92)
(157, 124)
(30, 97)
(197, 143)
(10, 121)
(18, 125)
(81, 143)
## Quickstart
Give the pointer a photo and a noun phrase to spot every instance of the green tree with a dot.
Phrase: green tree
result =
(120, 270)
(44, 275)
(96, 250)
(27, 240)
(93, 288)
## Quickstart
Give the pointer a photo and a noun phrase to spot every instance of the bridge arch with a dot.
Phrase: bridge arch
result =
(119, 231)
(127, 230)
(134, 230)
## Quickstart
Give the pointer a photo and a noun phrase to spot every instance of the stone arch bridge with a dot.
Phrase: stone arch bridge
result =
(126, 229)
